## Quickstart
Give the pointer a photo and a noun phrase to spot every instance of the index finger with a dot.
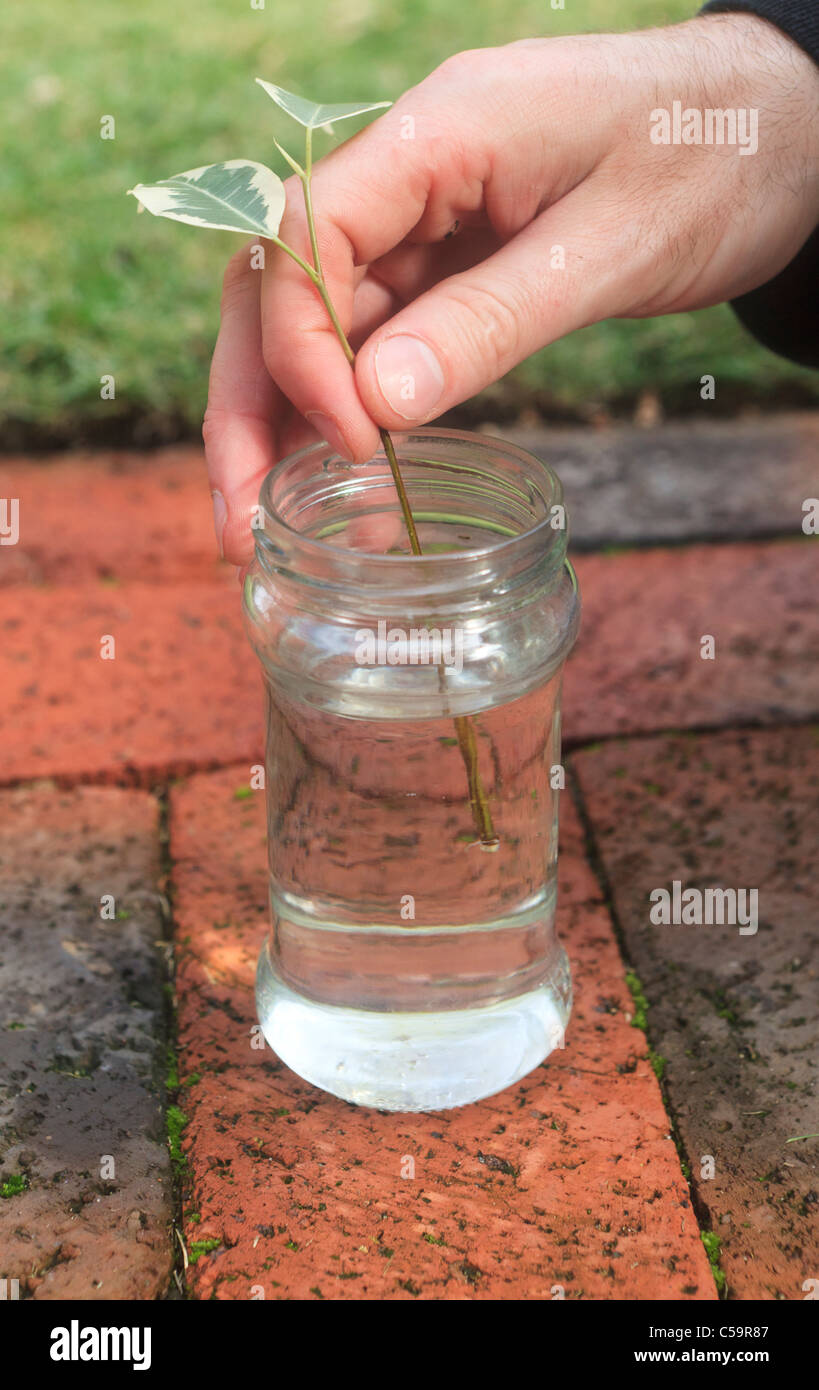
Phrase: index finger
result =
(244, 407)
(368, 196)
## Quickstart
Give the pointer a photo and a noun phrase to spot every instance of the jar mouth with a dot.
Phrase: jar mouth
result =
(477, 501)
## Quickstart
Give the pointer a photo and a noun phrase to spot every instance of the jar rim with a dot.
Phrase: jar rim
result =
(276, 533)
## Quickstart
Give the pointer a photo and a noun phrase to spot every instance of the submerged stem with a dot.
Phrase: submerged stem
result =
(464, 728)
(481, 813)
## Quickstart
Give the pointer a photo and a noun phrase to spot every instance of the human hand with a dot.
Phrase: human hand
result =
(539, 155)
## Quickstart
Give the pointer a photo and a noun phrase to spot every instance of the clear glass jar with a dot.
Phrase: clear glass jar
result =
(413, 767)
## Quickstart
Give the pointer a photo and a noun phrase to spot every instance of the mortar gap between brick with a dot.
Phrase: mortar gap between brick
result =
(699, 1206)
(177, 1288)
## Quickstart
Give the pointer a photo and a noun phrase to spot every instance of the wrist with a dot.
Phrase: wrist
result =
(745, 63)
(749, 57)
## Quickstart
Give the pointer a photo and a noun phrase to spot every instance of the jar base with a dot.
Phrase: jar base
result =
(413, 1061)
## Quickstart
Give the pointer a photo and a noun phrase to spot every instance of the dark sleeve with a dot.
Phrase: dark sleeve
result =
(784, 313)
(799, 19)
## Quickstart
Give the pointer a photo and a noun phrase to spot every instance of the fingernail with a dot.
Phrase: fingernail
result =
(409, 375)
(329, 430)
(219, 519)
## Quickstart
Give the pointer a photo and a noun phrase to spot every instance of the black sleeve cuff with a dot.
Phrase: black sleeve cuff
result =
(784, 314)
(799, 19)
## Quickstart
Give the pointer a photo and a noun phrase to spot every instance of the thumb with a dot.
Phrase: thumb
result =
(561, 272)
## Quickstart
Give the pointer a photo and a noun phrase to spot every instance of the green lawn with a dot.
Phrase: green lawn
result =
(89, 289)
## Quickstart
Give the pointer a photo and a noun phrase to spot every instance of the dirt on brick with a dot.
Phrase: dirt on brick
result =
(733, 1015)
(84, 1165)
(566, 1185)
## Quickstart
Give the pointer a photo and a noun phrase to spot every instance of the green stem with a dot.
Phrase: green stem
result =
(409, 519)
(306, 184)
(481, 813)
(294, 256)
(464, 728)
(389, 447)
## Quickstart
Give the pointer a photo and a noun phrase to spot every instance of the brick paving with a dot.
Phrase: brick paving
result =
(638, 668)
(570, 1183)
(734, 1016)
(569, 1178)
(140, 682)
(81, 1115)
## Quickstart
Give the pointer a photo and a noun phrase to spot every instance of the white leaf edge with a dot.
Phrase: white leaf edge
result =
(158, 197)
(282, 98)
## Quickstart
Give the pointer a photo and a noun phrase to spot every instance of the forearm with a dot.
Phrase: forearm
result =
(784, 313)
(799, 19)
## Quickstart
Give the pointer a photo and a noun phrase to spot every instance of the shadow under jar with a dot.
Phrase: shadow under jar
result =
(412, 765)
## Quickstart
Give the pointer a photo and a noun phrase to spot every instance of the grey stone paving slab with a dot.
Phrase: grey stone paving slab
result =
(84, 1164)
(735, 1016)
(682, 481)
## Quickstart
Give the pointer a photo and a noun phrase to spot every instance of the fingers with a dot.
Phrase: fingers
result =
(411, 269)
(482, 141)
(243, 403)
(375, 303)
(448, 343)
(301, 349)
(563, 271)
(368, 196)
(249, 424)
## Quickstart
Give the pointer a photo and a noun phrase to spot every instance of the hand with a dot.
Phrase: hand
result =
(512, 196)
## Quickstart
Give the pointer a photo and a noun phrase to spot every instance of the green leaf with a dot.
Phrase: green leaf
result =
(313, 114)
(237, 196)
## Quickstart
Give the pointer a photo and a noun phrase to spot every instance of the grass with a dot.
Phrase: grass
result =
(202, 1247)
(13, 1186)
(88, 289)
(712, 1244)
(710, 1239)
(176, 1122)
(640, 1020)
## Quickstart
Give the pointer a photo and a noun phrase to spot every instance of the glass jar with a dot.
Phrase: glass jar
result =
(413, 767)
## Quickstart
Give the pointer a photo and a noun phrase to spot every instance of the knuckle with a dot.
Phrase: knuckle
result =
(296, 361)
(236, 278)
(464, 64)
(272, 354)
(213, 425)
(491, 323)
(278, 350)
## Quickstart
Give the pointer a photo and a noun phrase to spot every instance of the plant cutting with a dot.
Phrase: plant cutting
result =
(244, 196)
(402, 970)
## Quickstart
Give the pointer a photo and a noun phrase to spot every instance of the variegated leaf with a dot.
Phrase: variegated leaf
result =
(313, 114)
(236, 196)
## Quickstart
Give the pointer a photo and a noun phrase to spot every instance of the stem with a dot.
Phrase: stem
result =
(294, 255)
(409, 519)
(481, 813)
(389, 447)
(308, 202)
(464, 728)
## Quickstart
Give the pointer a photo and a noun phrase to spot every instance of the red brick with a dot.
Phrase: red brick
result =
(183, 691)
(596, 1202)
(637, 665)
(144, 516)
